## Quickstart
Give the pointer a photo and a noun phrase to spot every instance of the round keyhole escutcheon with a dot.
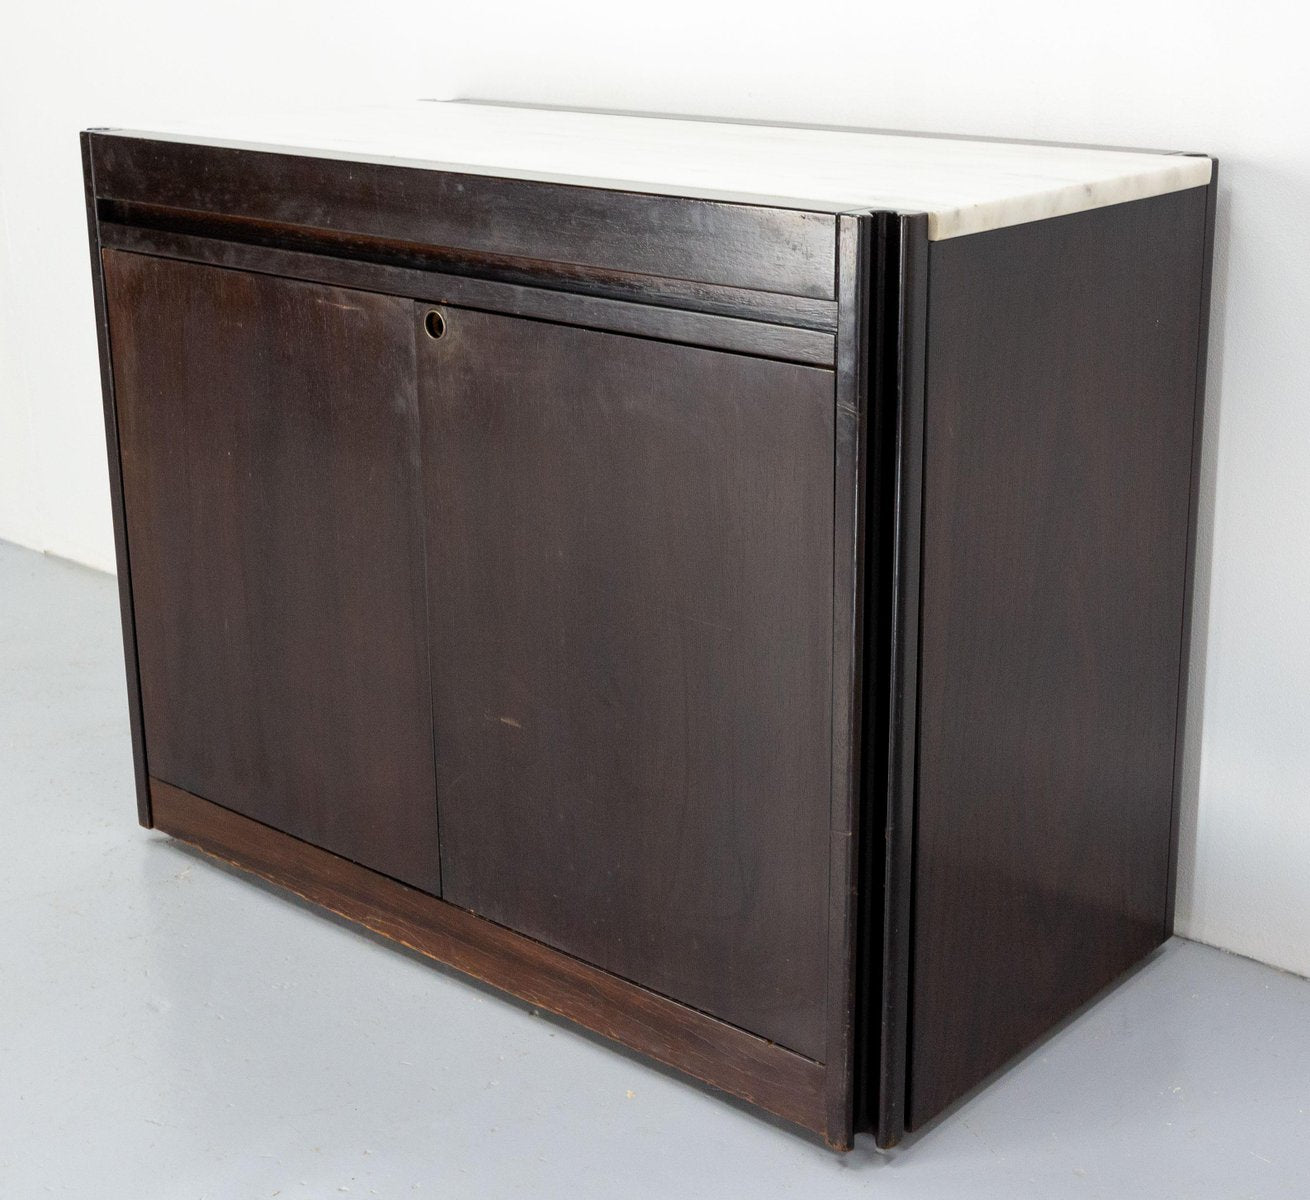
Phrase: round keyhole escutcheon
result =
(435, 323)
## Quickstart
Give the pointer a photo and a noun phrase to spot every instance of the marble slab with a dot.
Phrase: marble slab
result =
(964, 185)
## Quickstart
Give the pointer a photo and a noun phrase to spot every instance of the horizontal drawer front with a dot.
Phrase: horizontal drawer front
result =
(711, 242)
(785, 341)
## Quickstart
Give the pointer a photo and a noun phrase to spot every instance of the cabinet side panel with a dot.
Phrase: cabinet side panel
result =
(121, 559)
(1060, 398)
(269, 438)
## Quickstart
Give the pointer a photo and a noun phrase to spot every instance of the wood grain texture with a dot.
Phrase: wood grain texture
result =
(704, 241)
(1060, 401)
(774, 1079)
(254, 245)
(630, 547)
(711, 330)
(269, 440)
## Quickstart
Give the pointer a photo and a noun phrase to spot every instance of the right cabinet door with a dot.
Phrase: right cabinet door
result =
(630, 586)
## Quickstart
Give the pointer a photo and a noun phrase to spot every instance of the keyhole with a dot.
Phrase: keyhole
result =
(434, 323)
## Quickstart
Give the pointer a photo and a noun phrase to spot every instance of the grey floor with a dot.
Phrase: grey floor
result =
(169, 1029)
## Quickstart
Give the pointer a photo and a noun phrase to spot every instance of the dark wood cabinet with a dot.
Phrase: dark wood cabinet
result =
(751, 626)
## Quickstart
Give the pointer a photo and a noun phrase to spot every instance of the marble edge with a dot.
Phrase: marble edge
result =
(1183, 171)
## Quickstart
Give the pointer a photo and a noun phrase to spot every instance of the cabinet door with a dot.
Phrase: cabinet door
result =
(630, 587)
(269, 441)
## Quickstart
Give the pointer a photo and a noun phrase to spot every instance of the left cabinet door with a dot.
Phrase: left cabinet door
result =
(269, 438)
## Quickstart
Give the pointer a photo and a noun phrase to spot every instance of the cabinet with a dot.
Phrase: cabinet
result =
(750, 626)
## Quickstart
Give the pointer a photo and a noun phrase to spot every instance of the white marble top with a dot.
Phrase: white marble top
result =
(965, 186)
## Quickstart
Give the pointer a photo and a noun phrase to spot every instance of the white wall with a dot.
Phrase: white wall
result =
(1206, 76)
